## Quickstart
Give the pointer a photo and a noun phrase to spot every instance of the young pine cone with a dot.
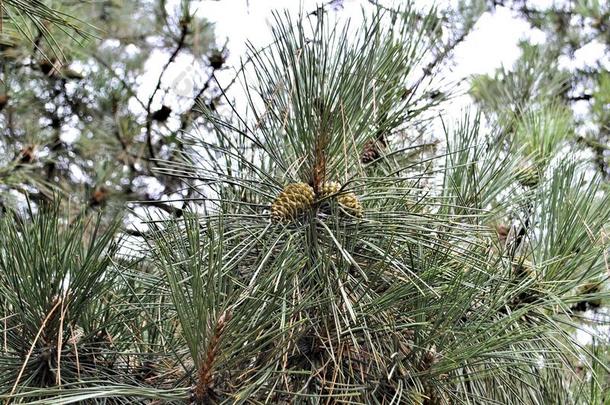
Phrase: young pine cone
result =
(217, 59)
(329, 188)
(161, 114)
(348, 201)
(27, 155)
(294, 199)
(351, 204)
(99, 196)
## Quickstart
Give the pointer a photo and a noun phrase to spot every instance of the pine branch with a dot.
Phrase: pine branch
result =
(580, 97)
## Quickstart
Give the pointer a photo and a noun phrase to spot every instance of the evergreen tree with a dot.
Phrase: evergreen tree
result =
(334, 255)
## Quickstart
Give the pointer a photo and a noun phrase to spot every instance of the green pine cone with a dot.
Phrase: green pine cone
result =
(351, 204)
(329, 188)
(348, 201)
(294, 199)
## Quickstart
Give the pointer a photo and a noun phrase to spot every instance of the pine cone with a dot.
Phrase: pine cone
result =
(329, 188)
(27, 154)
(348, 201)
(371, 151)
(217, 59)
(351, 204)
(99, 196)
(294, 199)
(162, 114)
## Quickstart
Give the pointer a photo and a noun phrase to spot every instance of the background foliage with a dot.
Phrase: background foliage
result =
(76, 118)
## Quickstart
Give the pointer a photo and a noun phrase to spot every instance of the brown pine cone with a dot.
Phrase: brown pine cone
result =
(371, 151)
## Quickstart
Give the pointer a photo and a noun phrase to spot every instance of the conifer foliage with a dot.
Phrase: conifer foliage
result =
(309, 276)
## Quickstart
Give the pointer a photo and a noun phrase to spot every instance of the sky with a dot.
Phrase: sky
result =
(493, 42)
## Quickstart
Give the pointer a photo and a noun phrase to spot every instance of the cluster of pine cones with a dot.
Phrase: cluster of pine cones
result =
(297, 198)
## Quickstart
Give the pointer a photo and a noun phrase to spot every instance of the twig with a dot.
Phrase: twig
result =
(580, 97)
(440, 57)
(204, 374)
(170, 209)
(184, 121)
(172, 58)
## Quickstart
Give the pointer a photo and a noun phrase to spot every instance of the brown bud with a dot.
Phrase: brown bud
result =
(99, 196)
(27, 155)
(162, 114)
(217, 59)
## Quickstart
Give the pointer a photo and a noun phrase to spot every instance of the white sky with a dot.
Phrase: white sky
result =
(491, 44)
(494, 41)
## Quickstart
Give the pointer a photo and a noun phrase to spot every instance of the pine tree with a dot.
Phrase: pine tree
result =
(307, 276)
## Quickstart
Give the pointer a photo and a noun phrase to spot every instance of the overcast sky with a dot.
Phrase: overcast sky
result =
(491, 44)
